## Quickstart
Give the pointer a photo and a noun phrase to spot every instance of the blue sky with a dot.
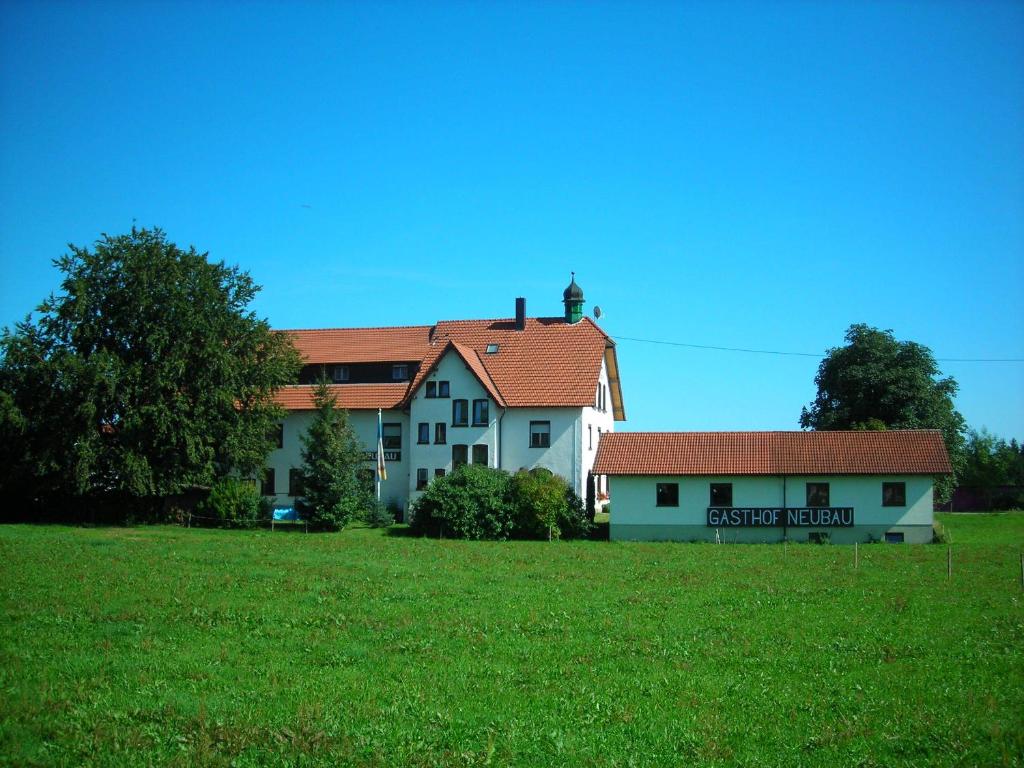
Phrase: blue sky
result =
(730, 174)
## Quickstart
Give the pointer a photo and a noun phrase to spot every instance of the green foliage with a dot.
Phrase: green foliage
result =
(378, 514)
(473, 502)
(876, 382)
(546, 507)
(333, 490)
(145, 376)
(164, 646)
(991, 463)
(234, 501)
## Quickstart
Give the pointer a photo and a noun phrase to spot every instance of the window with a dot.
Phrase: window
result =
(340, 373)
(590, 437)
(460, 455)
(894, 495)
(277, 435)
(480, 454)
(442, 389)
(267, 488)
(668, 494)
(604, 398)
(894, 537)
(399, 372)
(392, 437)
(294, 482)
(438, 473)
(817, 494)
(431, 389)
(423, 433)
(460, 413)
(721, 495)
(421, 479)
(540, 434)
(492, 349)
(440, 433)
(480, 413)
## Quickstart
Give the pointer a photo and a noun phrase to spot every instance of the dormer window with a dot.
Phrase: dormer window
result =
(431, 389)
(399, 372)
(492, 349)
(340, 373)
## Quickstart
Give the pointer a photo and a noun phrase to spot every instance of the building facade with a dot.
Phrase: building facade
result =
(773, 486)
(515, 393)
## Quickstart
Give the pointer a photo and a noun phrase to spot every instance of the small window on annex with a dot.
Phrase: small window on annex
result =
(460, 455)
(423, 433)
(392, 437)
(480, 413)
(399, 372)
(817, 494)
(667, 494)
(442, 389)
(894, 537)
(480, 454)
(721, 495)
(267, 488)
(440, 433)
(460, 413)
(540, 434)
(894, 494)
(339, 373)
(421, 479)
(431, 389)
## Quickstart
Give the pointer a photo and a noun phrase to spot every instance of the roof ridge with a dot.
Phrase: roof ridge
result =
(356, 328)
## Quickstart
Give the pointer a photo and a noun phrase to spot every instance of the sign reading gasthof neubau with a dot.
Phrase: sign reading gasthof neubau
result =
(777, 517)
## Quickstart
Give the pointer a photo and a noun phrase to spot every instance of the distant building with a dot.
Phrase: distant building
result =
(772, 486)
(513, 393)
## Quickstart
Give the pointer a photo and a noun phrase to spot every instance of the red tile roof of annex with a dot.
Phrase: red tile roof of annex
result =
(903, 452)
(354, 397)
(550, 363)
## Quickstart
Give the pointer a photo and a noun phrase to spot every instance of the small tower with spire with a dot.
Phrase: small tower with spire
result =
(573, 299)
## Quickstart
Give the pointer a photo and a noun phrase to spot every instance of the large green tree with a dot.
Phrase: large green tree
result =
(334, 490)
(875, 381)
(145, 375)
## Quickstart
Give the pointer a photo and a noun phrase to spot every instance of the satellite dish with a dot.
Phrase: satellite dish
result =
(597, 312)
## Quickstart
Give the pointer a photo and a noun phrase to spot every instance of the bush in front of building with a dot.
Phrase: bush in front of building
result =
(379, 515)
(473, 502)
(476, 502)
(546, 507)
(232, 501)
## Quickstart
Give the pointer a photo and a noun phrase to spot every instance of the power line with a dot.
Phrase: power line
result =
(805, 354)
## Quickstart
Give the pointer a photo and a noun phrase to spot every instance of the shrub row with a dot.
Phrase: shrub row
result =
(476, 502)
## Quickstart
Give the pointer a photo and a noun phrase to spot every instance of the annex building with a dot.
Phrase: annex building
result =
(773, 486)
(513, 393)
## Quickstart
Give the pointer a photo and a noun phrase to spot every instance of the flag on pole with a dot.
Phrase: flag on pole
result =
(382, 471)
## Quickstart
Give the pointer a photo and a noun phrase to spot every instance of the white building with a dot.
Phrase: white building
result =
(772, 486)
(512, 393)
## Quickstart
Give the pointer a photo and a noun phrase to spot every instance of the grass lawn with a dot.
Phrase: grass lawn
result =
(161, 645)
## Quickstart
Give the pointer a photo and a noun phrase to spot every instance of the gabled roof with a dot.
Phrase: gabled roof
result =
(362, 345)
(550, 363)
(354, 397)
(896, 452)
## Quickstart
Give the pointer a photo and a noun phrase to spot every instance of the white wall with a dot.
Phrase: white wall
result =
(635, 510)
(365, 425)
(593, 423)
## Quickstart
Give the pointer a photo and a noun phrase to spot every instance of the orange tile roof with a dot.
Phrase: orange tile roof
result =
(550, 363)
(362, 345)
(897, 452)
(352, 396)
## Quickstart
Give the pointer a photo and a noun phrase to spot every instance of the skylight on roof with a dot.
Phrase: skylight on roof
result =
(492, 349)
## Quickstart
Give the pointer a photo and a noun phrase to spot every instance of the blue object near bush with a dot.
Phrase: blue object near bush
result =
(286, 513)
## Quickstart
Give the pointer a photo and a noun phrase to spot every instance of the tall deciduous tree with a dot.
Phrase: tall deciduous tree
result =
(878, 382)
(333, 488)
(147, 374)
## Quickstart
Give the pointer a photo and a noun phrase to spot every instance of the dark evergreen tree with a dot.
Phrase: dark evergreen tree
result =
(334, 489)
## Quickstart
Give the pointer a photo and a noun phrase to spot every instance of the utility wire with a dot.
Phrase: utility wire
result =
(807, 354)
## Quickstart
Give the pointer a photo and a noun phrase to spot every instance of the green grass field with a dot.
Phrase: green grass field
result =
(160, 645)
